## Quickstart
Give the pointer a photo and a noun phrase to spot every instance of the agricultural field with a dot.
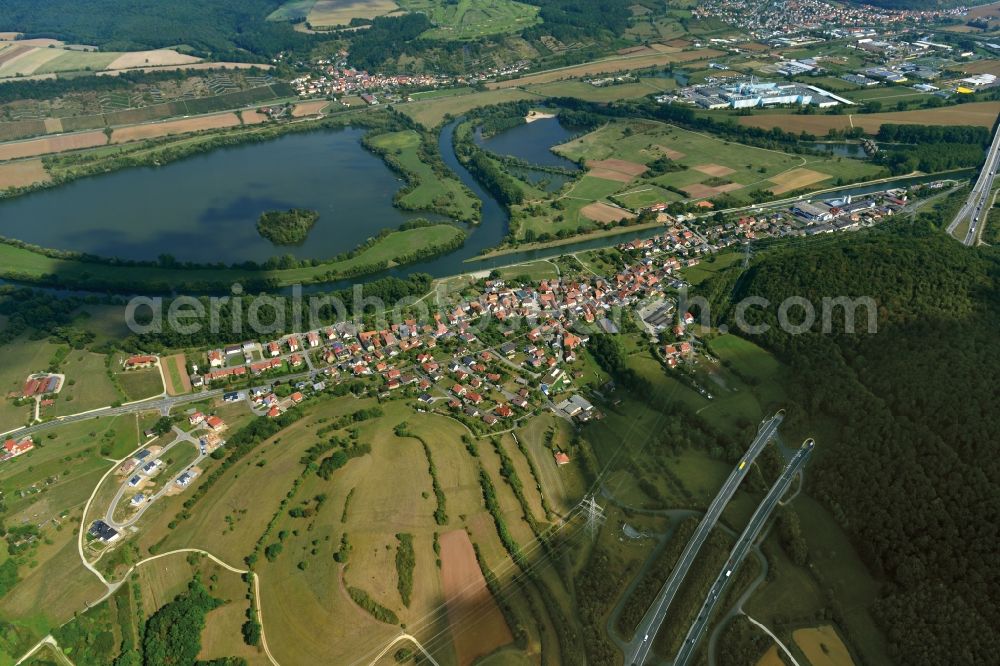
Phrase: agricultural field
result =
(87, 385)
(471, 19)
(428, 190)
(169, 127)
(140, 384)
(367, 504)
(822, 646)
(609, 66)
(617, 157)
(621, 152)
(981, 114)
(611, 93)
(328, 13)
(22, 173)
(21, 60)
(54, 144)
(22, 357)
(432, 111)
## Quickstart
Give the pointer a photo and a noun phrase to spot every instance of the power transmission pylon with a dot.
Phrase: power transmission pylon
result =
(594, 513)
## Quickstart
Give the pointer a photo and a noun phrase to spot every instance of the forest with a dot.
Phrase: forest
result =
(223, 29)
(909, 421)
(931, 148)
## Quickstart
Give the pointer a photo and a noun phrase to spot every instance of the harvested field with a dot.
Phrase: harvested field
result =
(252, 117)
(609, 65)
(152, 130)
(716, 170)
(770, 658)
(632, 169)
(981, 114)
(340, 12)
(195, 65)
(795, 179)
(822, 646)
(700, 191)
(605, 213)
(53, 126)
(31, 61)
(55, 144)
(12, 52)
(157, 58)
(608, 174)
(465, 594)
(985, 11)
(8, 36)
(982, 67)
(309, 108)
(41, 42)
(22, 174)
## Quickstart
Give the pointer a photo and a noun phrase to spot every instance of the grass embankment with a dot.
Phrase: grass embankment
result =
(432, 186)
(397, 247)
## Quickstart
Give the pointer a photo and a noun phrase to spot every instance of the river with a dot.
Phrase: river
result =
(489, 233)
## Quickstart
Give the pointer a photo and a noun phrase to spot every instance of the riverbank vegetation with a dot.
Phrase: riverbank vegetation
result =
(287, 227)
(408, 244)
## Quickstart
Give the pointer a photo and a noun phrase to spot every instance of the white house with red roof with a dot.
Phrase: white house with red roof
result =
(15, 447)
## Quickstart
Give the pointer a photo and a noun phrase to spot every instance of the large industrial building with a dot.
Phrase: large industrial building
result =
(749, 94)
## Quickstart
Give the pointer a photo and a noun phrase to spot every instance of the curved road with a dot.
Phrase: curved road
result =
(639, 647)
(109, 516)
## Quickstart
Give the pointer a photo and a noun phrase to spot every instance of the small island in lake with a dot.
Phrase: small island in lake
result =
(286, 227)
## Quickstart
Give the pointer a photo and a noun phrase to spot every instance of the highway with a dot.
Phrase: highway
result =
(638, 650)
(739, 552)
(978, 204)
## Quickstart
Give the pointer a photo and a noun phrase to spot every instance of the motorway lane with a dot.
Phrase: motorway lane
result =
(646, 632)
(978, 204)
(740, 550)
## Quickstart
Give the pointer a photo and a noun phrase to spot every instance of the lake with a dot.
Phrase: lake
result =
(205, 208)
(531, 142)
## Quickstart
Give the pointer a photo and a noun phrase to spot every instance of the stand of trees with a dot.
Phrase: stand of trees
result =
(933, 147)
(173, 633)
(287, 227)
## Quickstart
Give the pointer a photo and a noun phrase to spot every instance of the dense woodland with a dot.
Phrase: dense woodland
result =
(931, 148)
(908, 463)
(224, 29)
